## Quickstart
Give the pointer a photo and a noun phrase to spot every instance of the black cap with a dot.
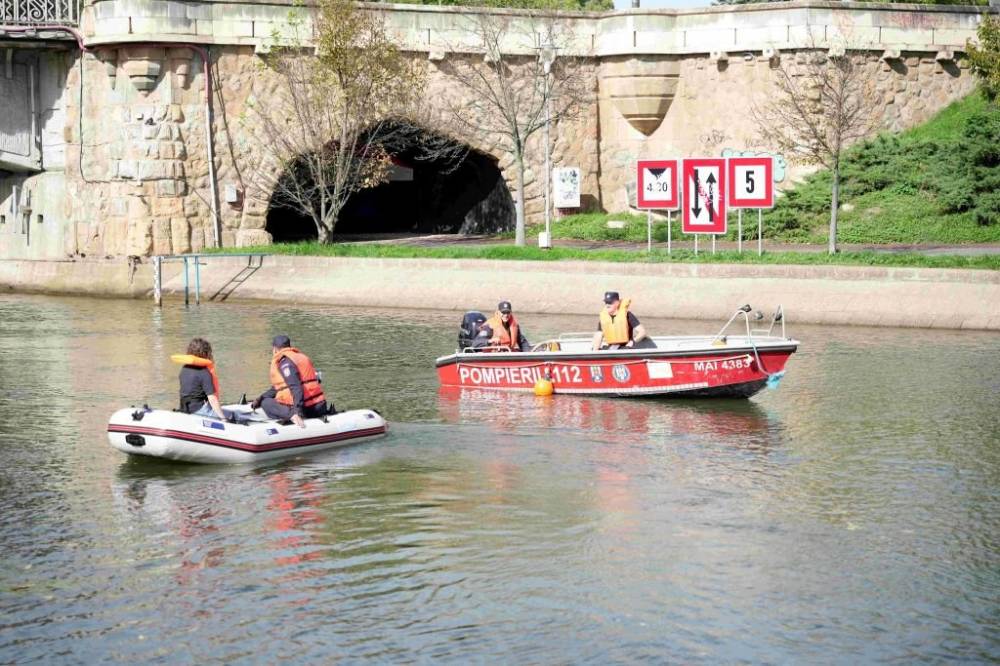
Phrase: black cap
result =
(281, 341)
(504, 307)
(611, 297)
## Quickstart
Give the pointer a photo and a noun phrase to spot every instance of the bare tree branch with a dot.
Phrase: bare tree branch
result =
(506, 87)
(332, 119)
(824, 102)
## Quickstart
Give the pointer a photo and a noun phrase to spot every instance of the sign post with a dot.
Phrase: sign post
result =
(751, 185)
(704, 193)
(656, 189)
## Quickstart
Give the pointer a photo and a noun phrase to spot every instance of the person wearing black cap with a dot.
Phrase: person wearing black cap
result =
(502, 330)
(296, 392)
(618, 328)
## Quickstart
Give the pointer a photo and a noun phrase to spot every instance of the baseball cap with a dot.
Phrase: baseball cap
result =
(611, 297)
(281, 341)
(504, 306)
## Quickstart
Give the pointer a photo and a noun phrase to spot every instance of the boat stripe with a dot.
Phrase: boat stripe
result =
(230, 444)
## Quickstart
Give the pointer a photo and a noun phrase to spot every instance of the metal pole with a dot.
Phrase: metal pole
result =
(213, 191)
(158, 280)
(649, 231)
(187, 299)
(197, 281)
(713, 243)
(670, 214)
(696, 245)
(760, 232)
(547, 66)
(739, 236)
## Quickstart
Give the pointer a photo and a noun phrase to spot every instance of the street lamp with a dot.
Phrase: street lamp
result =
(547, 55)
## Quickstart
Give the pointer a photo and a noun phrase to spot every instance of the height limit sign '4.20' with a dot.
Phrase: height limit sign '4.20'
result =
(656, 184)
(751, 182)
(704, 210)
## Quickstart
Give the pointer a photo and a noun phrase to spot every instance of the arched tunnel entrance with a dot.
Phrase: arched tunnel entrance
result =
(424, 195)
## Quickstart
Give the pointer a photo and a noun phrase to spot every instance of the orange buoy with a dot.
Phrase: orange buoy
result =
(544, 386)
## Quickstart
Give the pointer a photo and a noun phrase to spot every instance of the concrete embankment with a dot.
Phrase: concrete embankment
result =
(875, 296)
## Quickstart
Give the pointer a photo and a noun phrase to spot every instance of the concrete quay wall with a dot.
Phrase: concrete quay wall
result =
(856, 295)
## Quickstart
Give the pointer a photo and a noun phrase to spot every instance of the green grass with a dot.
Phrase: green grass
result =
(511, 252)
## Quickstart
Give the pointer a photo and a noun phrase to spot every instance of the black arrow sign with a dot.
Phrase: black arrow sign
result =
(696, 209)
(711, 197)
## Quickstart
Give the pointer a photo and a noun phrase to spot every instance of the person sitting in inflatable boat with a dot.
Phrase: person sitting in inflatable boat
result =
(296, 393)
(199, 384)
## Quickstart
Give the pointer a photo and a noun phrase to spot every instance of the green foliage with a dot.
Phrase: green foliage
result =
(936, 183)
(514, 253)
(984, 58)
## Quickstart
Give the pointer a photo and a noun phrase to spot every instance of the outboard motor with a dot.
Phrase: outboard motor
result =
(471, 321)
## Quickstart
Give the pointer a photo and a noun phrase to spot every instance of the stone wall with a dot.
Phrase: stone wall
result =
(665, 83)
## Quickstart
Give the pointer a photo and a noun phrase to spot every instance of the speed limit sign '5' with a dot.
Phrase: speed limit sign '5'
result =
(656, 184)
(751, 182)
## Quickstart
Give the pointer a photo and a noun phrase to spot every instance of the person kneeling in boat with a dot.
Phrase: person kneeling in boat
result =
(618, 328)
(199, 383)
(502, 331)
(296, 393)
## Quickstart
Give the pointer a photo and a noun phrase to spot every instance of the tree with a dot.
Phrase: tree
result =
(984, 58)
(822, 102)
(514, 77)
(332, 120)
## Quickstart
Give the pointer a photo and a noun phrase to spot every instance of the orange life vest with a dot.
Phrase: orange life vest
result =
(199, 362)
(501, 336)
(615, 329)
(312, 391)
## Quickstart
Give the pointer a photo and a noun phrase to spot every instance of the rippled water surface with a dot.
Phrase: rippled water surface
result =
(850, 515)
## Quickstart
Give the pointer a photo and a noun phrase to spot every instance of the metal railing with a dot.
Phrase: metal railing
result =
(39, 12)
(255, 261)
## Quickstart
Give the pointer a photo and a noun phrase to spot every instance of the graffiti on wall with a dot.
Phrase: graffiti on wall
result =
(780, 165)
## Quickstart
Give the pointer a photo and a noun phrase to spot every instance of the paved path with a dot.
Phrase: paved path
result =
(705, 245)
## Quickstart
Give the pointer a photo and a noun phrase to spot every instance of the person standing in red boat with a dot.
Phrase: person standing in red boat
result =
(502, 330)
(296, 393)
(619, 328)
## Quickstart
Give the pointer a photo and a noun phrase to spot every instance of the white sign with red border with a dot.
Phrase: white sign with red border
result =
(751, 182)
(704, 210)
(656, 184)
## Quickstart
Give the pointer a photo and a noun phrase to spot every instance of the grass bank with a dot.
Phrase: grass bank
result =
(528, 253)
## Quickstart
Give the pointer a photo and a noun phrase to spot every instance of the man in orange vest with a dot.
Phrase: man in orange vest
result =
(502, 331)
(296, 392)
(619, 328)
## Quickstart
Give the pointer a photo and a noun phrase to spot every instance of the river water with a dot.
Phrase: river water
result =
(850, 515)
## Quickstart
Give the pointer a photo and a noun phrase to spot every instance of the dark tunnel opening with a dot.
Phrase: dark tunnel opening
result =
(423, 196)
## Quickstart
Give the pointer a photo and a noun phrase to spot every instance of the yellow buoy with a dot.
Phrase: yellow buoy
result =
(544, 387)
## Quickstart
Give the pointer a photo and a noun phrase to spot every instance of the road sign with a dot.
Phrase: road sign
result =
(656, 184)
(751, 182)
(704, 210)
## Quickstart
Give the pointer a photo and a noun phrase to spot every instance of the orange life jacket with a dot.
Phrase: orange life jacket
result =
(501, 336)
(312, 391)
(199, 362)
(615, 330)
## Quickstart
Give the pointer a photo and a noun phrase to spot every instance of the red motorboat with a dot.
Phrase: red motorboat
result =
(720, 365)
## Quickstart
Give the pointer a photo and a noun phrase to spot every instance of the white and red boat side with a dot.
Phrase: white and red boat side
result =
(177, 436)
(678, 366)
(702, 366)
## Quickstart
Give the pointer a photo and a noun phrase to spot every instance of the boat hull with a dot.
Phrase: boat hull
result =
(189, 438)
(722, 372)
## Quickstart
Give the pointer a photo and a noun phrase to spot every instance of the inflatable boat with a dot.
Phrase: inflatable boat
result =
(247, 436)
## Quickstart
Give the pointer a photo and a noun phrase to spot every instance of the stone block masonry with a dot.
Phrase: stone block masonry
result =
(666, 83)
